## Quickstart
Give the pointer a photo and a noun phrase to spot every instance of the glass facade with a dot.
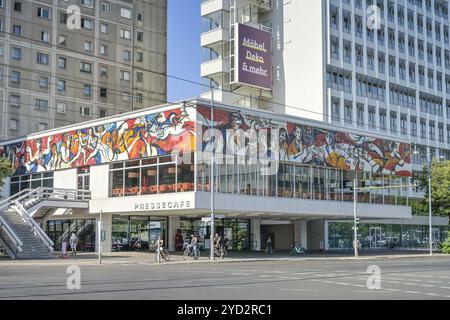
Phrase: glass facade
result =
(138, 233)
(384, 236)
(60, 231)
(236, 231)
(155, 175)
(31, 181)
(238, 175)
(241, 176)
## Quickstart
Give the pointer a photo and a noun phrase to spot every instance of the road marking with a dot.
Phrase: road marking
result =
(432, 294)
(287, 289)
(413, 292)
(427, 285)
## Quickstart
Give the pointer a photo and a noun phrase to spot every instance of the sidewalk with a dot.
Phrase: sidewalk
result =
(148, 258)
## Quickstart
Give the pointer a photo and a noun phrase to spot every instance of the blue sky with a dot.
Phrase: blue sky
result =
(184, 52)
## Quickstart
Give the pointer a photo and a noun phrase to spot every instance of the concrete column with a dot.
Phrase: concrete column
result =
(316, 235)
(174, 224)
(304, 234)
(300, 233)
(107, 227)
(255, 230)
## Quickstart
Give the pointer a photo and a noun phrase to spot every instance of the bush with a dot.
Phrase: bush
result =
(445, 246)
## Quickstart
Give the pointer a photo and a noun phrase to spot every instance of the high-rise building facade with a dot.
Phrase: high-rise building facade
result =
(67, 61)
(378, 65)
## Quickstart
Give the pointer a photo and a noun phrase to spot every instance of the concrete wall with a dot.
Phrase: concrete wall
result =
(65, 179)
(299, 207)
(299, 57)
(99, 179)
(316, 234)
(301, 233)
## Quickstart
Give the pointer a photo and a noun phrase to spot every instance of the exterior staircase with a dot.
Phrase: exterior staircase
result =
(21, 236)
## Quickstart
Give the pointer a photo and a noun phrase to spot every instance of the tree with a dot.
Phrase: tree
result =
(5, 170)
(440, 189)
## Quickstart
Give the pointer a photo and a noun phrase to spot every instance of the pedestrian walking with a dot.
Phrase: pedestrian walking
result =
(269, 247)
(73, 243)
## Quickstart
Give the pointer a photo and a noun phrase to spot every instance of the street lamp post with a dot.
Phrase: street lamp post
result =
(430, 211)
(355, 218)
(211, 182)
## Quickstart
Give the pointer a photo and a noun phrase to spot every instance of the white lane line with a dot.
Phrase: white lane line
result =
(386, 290)
(394, 290)
(427, 286)
(433, 294)
(446, 288)
(287, 289)
(372, 291)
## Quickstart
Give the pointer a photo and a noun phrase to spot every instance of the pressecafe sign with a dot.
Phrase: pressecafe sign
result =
(253, 57)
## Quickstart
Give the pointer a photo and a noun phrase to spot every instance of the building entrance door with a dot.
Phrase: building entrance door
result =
(375, 238)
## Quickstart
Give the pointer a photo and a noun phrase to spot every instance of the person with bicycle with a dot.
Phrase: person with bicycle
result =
(160, 246)
(218, 244)
(193, 245)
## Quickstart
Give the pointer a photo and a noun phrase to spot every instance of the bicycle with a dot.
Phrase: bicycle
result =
(222, 253)
(190, 252)
(164, 253)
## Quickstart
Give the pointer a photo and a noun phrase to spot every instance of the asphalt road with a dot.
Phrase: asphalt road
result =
(404, 278)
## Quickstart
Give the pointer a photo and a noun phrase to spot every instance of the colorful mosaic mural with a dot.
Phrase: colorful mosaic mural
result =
(144, 136)
(321, 147)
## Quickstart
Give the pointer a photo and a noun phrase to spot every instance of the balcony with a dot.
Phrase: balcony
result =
(211, 6)
(215, 36)
(263, 5)
(214, 67)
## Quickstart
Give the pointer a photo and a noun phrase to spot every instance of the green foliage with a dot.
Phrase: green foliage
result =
(445, 246)
(440, 189)
(5, 170)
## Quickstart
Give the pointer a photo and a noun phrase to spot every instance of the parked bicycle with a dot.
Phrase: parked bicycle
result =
(297, 249)
(164, 255)
(190, 252)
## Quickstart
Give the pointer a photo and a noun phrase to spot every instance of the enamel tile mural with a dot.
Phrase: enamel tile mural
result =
(145, 136)
(321, 147)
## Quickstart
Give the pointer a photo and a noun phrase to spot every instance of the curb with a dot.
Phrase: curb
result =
(111, 262)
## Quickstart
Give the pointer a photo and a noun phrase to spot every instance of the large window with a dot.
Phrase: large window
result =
(291, 180)
(137, 233)
(59, 231)
(150, 176)
(383, 236)
(31, 181)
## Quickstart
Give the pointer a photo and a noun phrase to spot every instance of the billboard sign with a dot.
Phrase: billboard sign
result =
(253, 57)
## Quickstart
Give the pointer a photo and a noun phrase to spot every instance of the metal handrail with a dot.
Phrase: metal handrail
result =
(36, 228)
(79, 195)
(6, 202)
(10, 233)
